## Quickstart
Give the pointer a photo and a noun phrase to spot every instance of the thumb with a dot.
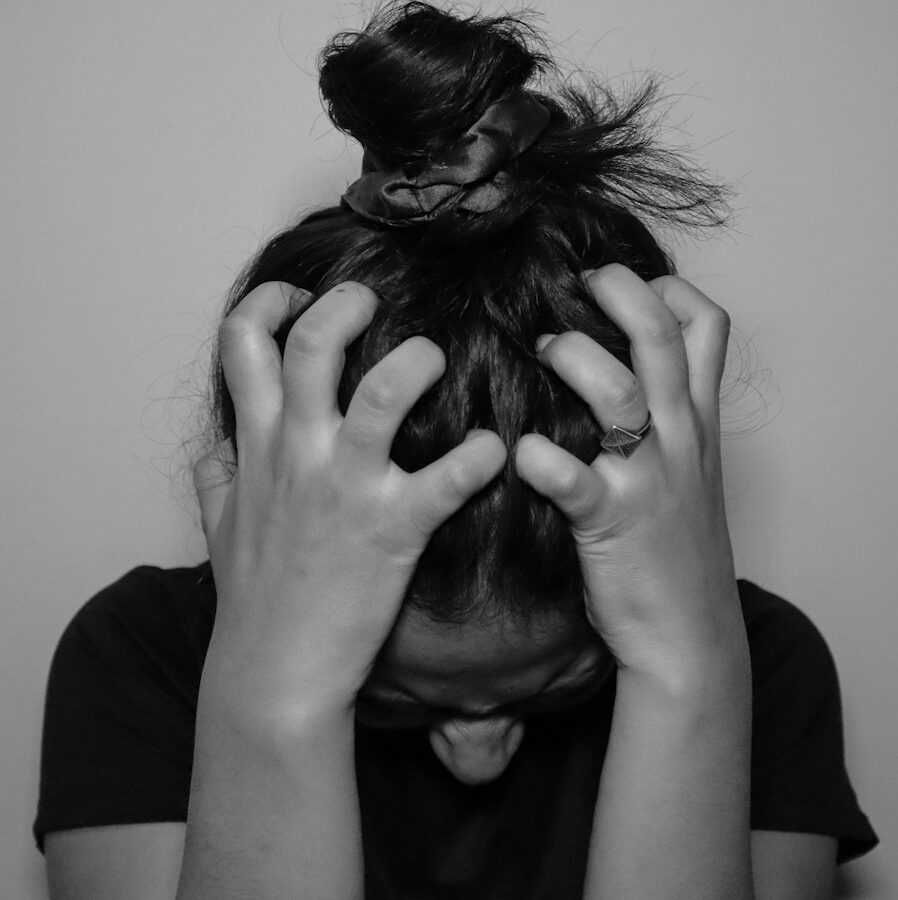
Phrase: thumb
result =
(449, 482)
(559, 476)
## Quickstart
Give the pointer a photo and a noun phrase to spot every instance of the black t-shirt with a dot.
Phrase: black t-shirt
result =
(118, 746)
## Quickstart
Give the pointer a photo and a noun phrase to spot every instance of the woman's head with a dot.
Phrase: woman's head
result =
(484, 285)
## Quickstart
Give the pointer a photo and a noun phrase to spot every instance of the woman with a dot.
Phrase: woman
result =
(474, 629)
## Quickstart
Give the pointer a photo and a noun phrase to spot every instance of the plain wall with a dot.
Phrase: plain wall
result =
(147, 149)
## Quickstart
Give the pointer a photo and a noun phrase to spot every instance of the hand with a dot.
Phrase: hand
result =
(315, 538)
(651, 530)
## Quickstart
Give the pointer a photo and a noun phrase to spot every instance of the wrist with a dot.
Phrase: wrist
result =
(271, 699)
(675, 788)
(695, 632)
(716, 675)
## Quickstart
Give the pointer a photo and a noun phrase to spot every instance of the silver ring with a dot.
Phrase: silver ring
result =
(622, 442)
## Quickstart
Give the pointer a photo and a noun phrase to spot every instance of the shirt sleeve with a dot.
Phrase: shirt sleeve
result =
(120, 707)
(799, 779)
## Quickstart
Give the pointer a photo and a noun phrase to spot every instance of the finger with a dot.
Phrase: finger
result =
(385, 396)
(314, 352)
(249, 356)
(656, 342)
(570, 484)
(444, 486)
(212, 476)
(608, 387)
(706, 328)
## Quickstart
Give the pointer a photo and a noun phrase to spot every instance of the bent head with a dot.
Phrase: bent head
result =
(474, 685)
(494, 619)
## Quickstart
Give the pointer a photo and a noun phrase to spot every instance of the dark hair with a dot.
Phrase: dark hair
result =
(483, 287)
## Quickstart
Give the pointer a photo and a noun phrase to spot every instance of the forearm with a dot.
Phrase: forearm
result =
(273, 803)
(672, 817)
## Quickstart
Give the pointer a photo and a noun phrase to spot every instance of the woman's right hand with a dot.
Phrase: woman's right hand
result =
(315, 538)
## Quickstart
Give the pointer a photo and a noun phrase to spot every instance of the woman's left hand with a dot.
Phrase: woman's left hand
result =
(651, 529)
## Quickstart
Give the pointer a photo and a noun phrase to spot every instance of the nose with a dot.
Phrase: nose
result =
(477, 751)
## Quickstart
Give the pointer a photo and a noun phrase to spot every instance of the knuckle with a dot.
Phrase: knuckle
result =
(664, 283)
(309, 337)
(565, 483)
(379, 392)
(624, 393)
(661, 331)
(234, 328)
(674, 284)
(277, 290)
(456, 480)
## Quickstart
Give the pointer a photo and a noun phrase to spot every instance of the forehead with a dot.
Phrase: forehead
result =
(503, 654)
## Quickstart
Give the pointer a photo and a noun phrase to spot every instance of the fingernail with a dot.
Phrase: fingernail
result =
(542, 340)
(586, 273)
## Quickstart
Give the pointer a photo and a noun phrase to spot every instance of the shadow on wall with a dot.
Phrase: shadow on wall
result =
(34, 880)
(863, 880)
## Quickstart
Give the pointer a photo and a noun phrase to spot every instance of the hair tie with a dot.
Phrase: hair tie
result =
(467, 176)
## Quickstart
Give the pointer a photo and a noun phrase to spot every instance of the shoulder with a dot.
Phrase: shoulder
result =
(764, 610)
(150, 591)
(794, 678)
(799, 779)
(150, 615)
(783, 640)
(121, 702)
(135, 648)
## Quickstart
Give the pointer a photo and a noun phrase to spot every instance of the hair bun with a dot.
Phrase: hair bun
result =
(416, 78)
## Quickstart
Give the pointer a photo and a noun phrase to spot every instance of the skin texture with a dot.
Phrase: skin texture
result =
(672, 815)
(317, 510)
(651, 530)
(313, 544)
(143, 862)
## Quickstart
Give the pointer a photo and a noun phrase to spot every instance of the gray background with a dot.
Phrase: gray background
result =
(147, 149)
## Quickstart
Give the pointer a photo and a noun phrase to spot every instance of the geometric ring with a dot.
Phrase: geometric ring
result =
(622, 442)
